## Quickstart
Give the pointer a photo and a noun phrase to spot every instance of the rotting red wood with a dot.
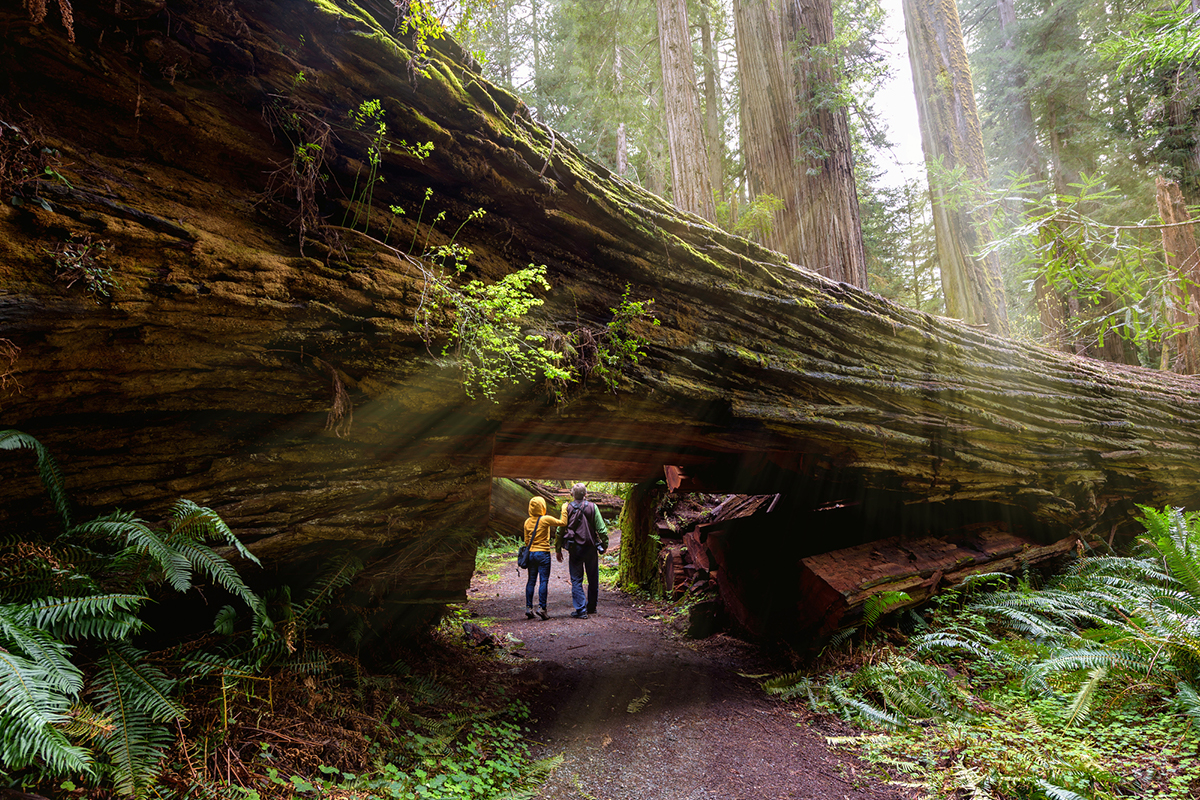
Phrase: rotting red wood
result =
(834, 587)
(673, 570)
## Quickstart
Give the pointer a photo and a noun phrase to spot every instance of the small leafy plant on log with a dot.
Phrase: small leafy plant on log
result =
(82, 260)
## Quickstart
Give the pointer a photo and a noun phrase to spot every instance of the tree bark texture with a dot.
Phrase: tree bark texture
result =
(690, 184)
(212, 371)
(951, 139)
(713, 137)
(796, 149)
(638, 565)
(1183, 258)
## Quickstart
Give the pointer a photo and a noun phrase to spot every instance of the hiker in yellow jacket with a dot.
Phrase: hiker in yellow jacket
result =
(537, 536)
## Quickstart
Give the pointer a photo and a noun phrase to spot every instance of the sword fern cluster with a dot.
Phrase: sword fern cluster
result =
(77, 697)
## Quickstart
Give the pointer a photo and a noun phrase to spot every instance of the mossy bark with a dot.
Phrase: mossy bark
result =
(639, 546)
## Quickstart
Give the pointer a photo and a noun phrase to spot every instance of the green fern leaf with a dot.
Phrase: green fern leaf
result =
(321, 593)
(880, 604)
(201, 524)
(123, 528)
(205, 560)
(135, 696)
(47, 469)
(109, 616)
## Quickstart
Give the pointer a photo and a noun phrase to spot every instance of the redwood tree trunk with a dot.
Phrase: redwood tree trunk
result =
(798, 148)
(690, 186)
(1179, 245)
(952, 140)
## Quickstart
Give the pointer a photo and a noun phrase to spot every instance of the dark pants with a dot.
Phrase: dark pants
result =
(582, 558)
(539, 564)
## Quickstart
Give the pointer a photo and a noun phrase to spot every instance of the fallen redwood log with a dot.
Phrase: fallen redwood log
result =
(834, 588)
(230, 362)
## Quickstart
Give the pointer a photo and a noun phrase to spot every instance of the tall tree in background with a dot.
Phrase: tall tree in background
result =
(691, 187)
(953, 145)
(795, 134)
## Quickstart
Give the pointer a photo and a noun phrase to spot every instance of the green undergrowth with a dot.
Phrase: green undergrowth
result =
(1082, 686)
(496, 554)
(272, 702)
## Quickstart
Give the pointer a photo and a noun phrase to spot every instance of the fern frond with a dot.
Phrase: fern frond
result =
(1189, 699)
(878, 605)
(32, 704)
(123, 528)
(1111, 658)
(47, 467)
(20, 636)
(782, 683)
(1082, 704)
(205, 560)
(1056, 792)
(125, 680)
(107, 616)
(201, 524)
(135, 696)
(321, 593)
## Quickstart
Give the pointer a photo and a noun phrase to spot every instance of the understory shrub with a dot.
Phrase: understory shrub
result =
(1086, 687)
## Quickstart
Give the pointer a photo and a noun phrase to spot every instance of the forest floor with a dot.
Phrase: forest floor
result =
(638, 711)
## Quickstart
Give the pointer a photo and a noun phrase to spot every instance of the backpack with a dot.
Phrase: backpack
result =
(579, 523)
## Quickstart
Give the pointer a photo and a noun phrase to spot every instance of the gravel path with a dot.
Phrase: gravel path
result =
(640, 713)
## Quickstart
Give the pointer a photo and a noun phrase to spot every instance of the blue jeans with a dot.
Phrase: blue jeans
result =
(539, 564)
(581, 558)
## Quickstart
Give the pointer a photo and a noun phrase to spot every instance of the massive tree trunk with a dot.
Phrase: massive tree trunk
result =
(952, 140)
(797, 148)
(212, 370)
(690, 185)
(1179, 248)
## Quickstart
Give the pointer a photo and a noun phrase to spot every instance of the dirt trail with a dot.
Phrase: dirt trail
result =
(639, 712)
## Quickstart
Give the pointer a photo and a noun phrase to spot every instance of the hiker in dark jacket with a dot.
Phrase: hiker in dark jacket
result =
(586, 536)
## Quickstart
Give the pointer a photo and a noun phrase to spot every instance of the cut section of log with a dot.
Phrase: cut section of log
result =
(835, 587)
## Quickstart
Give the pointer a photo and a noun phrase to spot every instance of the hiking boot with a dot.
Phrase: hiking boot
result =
(579, 614)
(529, 613)
(542, 613)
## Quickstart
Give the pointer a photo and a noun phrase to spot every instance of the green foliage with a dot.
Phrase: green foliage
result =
(1085, 687)
(755, 221)
(486, 338)
(621, 345)
(367, 119)
(1114, 274)
(883, 603)
(69, 604)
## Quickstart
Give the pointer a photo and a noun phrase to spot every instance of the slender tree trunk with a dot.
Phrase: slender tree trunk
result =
(797, 147)
(619, 77)
(1015, 101)
(536, 41)
(951, 138)
(712, 112)
(690, 185)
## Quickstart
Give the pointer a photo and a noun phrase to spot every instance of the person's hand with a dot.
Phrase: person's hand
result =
(559, 554)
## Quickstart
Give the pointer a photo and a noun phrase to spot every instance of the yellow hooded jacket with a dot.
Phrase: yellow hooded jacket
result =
(541, 537)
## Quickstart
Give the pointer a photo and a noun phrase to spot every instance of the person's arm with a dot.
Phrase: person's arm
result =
(558, 535)
(600, 528)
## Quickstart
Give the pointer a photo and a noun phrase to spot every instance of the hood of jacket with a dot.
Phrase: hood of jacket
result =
(537, 506)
